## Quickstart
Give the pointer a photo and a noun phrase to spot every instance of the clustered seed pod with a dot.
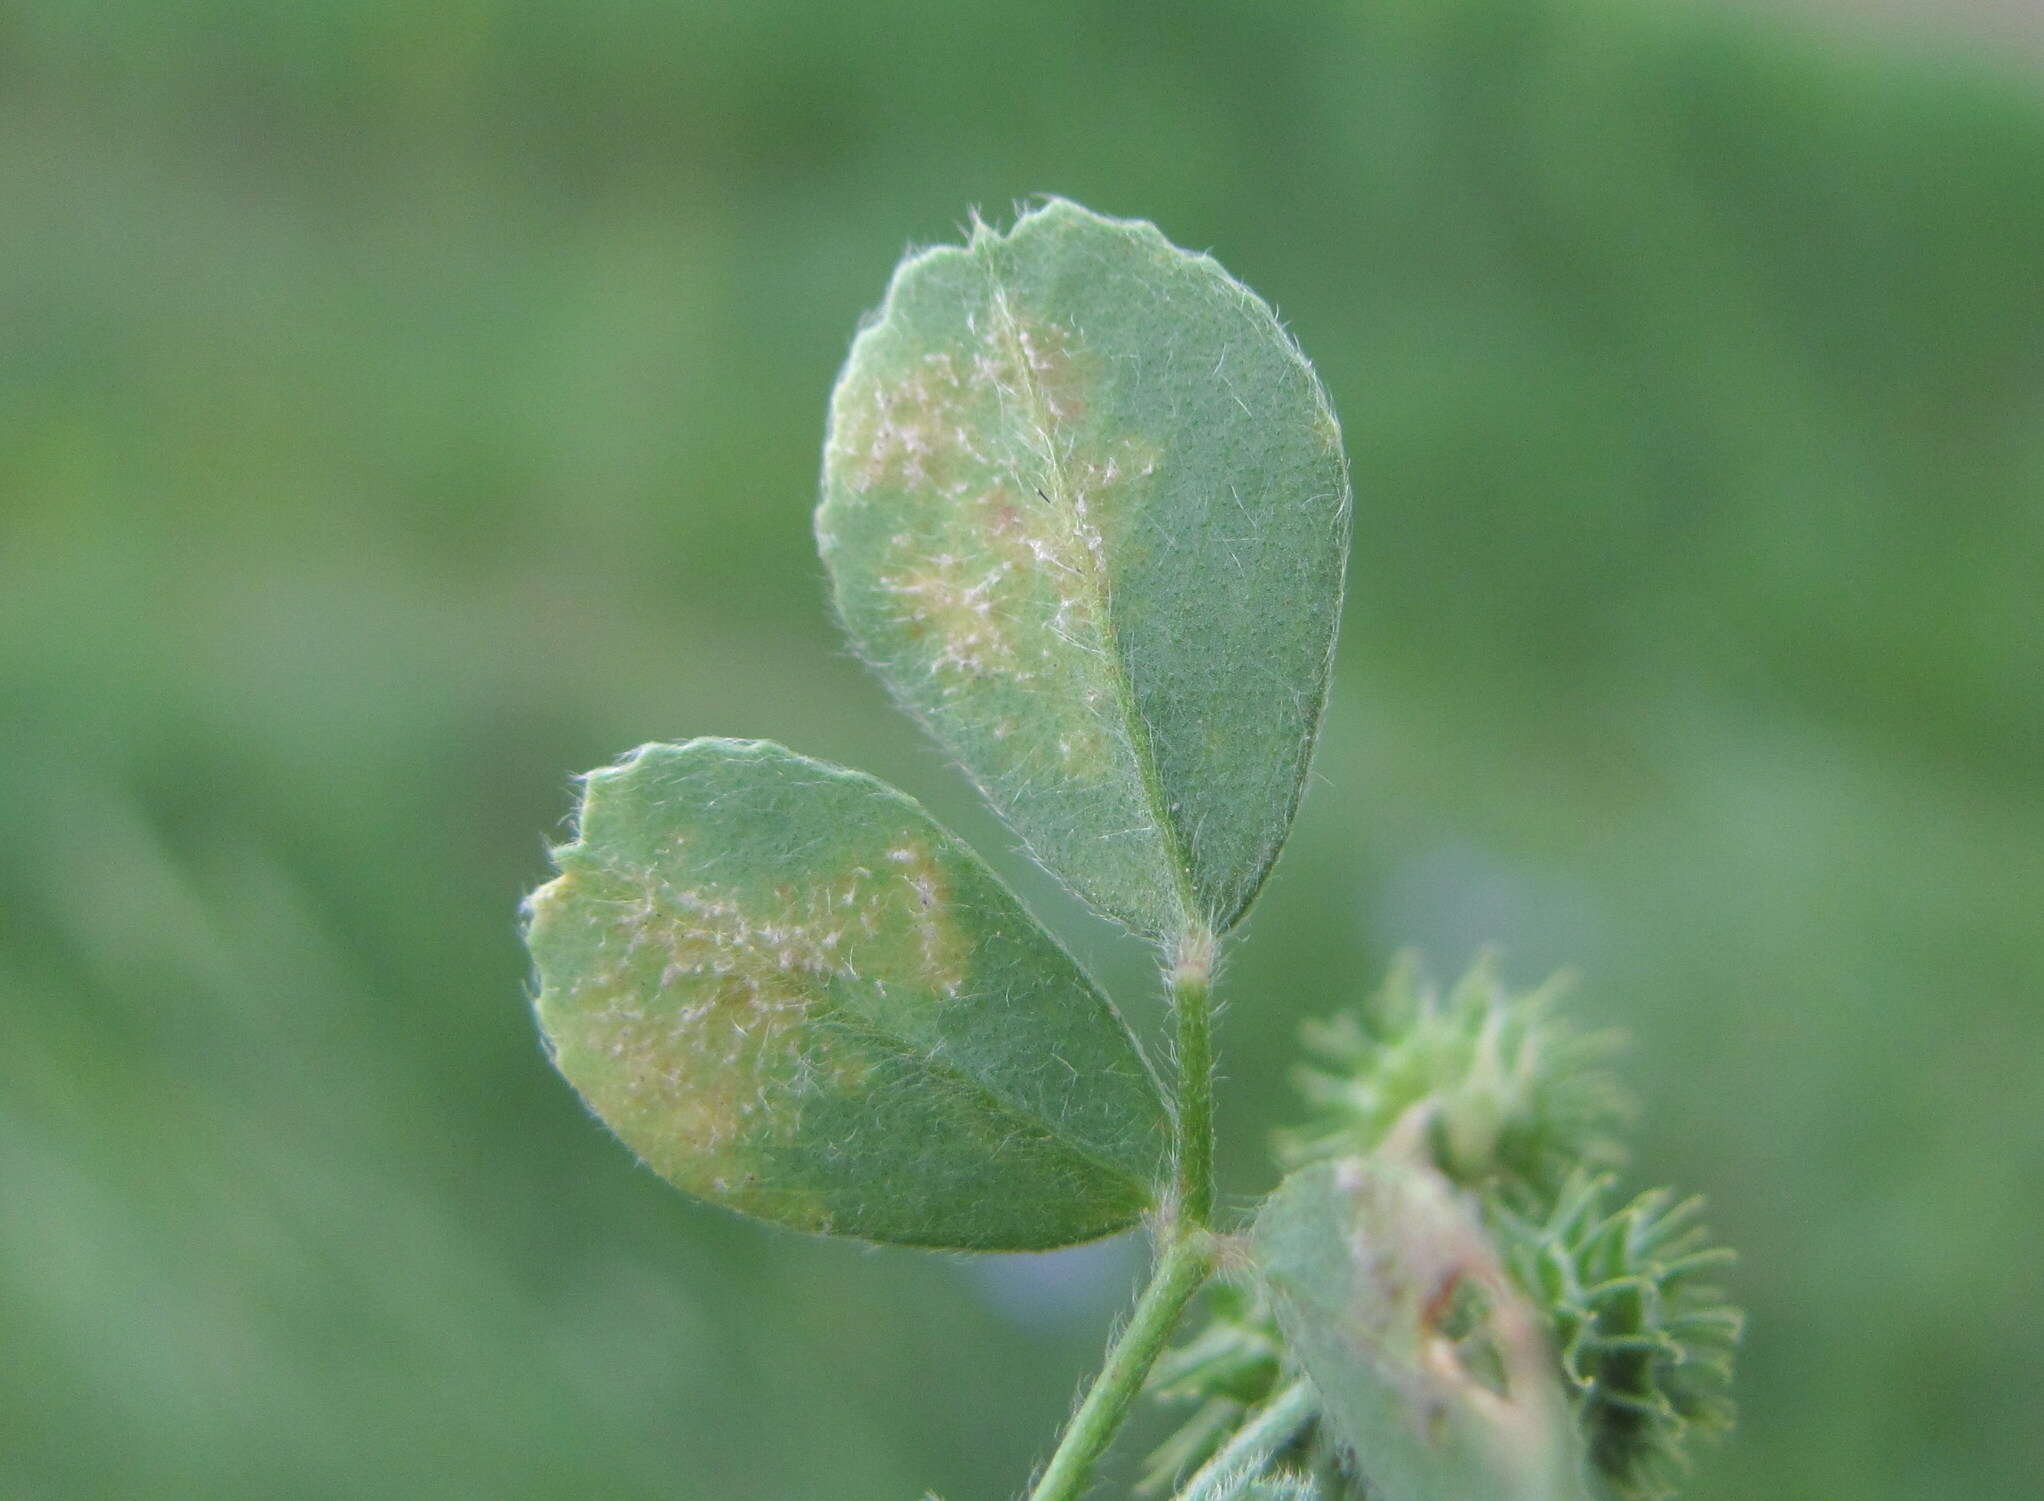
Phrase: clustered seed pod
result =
(1645, 1336)
(1504, 1091)
(1516, 1108)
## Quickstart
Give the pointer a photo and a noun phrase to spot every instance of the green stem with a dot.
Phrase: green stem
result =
(1180, 1272)
(1188, 1255)
(1275, 1425)
(1191, 978)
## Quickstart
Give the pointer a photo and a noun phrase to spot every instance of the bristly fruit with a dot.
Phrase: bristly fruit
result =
(1516, 1107)
(1509, 1092)
(1645, 1336)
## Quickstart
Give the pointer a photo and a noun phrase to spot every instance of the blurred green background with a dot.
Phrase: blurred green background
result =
(404, 406)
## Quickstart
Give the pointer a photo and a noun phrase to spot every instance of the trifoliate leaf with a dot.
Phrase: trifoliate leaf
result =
(792, 993)
(1433, 1370)
(1086, 511)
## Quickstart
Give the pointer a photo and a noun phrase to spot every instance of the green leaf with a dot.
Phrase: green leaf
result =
(1086, 512)
(1433, 1370)
(792, 993)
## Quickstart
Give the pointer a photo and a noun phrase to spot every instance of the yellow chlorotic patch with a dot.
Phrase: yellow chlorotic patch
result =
(692, 1034)
(997, 570)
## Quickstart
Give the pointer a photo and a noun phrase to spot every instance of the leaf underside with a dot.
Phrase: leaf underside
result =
(792, 993)
(1433, 1371)
(1086, 512)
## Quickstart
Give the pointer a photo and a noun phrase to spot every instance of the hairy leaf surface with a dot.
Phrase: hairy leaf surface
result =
(1432, 1369)
(1086, 512)
(791, 992)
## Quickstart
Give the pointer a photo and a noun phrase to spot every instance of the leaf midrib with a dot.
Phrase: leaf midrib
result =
(1148, 777)
(999, 1104)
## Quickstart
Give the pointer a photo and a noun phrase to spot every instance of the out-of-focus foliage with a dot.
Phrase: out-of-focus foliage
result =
(401, 406)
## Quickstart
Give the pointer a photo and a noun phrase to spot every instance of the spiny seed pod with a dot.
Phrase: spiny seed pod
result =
(1505, 1092)
(1510, 1103)
(1645, 1337)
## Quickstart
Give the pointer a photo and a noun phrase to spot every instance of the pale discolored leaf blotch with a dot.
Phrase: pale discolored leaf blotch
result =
(1085, 509)
(1433, 1371)
(792, 993)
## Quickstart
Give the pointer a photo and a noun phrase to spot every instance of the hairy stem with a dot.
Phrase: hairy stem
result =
(1188, 1254)
(1191, 979)
(1275, 1425)
(1184, 1265)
